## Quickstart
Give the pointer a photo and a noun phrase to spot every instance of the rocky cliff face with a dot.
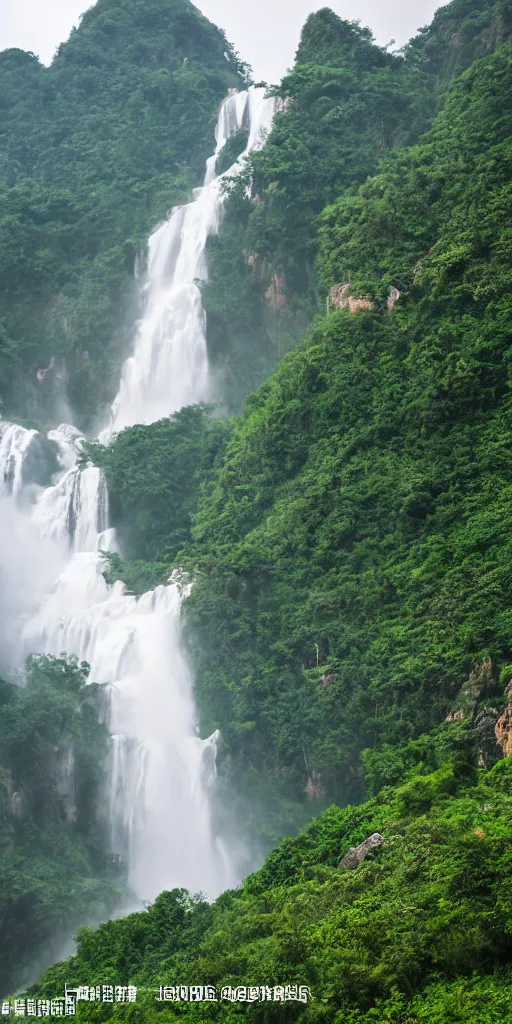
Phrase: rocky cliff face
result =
(492, 727)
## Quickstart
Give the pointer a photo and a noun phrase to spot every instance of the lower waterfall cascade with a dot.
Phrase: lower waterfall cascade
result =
(161, 773)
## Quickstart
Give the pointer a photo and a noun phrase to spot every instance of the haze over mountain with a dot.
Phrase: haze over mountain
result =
(267, 36)
(255, 493)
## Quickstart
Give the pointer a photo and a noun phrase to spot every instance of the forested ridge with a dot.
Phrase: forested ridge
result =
(347, 529)
(94, 150)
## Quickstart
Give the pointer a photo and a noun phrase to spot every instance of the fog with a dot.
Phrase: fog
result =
(266, 34)
(29, 565)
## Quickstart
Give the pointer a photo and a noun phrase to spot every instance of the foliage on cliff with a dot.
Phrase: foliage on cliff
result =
(350, 548)
(349, 538)
(153, 475)
(94, 150)
(419, 932)
(55, 871)
(349, 104)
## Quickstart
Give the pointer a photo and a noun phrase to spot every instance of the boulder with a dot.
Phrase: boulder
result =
(356, 854)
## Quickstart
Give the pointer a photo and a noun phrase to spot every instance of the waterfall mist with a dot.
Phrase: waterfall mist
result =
(161, 774)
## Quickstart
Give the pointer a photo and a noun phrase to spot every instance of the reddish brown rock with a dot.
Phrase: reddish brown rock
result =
(340, 298)
(503, 731)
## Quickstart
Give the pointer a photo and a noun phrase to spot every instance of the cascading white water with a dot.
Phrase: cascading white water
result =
(14, 445)
(161, 771)
(169, 366)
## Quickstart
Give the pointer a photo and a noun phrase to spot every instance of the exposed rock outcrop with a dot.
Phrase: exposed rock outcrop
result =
(276, 294)
(488, 749)
(479, 681)
(393, 297)
(503, 732)
(356, 854)
(325, 680)
(17, 804)
(340, 298)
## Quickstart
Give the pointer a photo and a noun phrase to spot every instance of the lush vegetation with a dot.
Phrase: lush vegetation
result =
(153, 475)
(94, 150)
(350, 544)
(55, 869)
(419, 932)
(349, 104)
(348, 533)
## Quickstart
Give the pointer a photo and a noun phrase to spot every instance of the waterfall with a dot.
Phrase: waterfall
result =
(161, 772)
(169, 365)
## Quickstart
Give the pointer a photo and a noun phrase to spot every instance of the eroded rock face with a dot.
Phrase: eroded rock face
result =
(393, 298)
(276, 295)
(480, 680)
(456, 716)
(487, 746)
(503, 732)
(356, 854)
(340, 298)
(357, 305)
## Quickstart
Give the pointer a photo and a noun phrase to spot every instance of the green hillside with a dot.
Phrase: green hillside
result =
(350, 543)
(419, 933)
(94, 150)
(347, 528)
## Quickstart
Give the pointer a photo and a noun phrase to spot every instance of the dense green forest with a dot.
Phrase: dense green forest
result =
(349, 104)
(347, 533)
(346, 528)
(55, 868)
(94, 150)
(419, 932)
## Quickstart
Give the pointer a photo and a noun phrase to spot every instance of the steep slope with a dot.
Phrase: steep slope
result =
(418, 933)
(353, 544)
(55, 865)
(350, 548)
(349, 103)
(94, 150)
(348, 537)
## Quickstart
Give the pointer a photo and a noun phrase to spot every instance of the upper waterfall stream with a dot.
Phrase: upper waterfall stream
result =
(161, 771)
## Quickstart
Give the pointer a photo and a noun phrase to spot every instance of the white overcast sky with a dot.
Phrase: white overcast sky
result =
(265, 32)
